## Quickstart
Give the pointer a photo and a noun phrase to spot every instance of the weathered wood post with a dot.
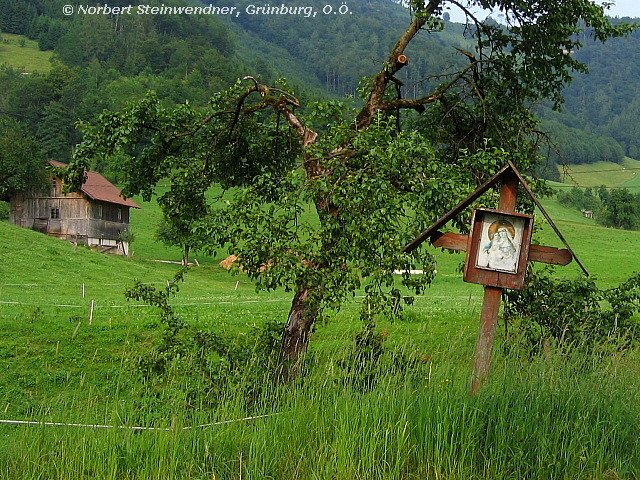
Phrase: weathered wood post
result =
(486, 337)
(491, 302)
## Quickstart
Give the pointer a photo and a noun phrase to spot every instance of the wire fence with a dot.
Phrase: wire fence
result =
(104, 300)
(136, 428)
(100, 311)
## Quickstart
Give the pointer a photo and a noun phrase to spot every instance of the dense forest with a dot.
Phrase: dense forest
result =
(103, 61)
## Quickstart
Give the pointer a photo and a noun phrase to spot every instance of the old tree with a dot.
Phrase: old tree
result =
(321, 198)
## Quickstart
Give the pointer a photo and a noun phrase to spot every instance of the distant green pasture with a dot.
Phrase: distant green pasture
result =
(71, 341)
(23, 54)
(43, 280)
(602, 173)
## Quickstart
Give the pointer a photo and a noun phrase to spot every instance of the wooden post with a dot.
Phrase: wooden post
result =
(491, 302)
(509, 193)
(91, 313)
(486, 337)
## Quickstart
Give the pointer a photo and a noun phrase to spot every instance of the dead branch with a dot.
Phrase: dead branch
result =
(393, 65)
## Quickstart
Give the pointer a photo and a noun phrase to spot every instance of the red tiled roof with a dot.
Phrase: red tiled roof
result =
(96, 187)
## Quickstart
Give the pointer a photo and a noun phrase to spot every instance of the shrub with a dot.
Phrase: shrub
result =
(569, 313)
(4, 211)
(200, 368)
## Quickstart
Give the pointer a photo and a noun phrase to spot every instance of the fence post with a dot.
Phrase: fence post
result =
(91, 313)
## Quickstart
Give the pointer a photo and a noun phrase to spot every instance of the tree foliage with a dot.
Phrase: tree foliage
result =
(577, 146)
(22, 165)
(620, 209)
(370, 185)
(615, 208)
(579, 198)
(211, 364)
(605, 103)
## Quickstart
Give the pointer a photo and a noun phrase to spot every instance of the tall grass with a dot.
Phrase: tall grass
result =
(555, 418)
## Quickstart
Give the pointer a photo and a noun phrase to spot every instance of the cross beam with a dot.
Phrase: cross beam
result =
(537, 253)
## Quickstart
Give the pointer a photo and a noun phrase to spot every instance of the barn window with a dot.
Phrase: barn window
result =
(55, 213)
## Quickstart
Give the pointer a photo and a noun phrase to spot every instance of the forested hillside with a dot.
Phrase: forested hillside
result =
(342, 43)
(599, 120)
(102, 61)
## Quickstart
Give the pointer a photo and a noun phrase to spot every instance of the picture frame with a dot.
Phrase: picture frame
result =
(498, 248)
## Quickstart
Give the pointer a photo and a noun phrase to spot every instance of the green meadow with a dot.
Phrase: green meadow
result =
(22, 54)
(71, 344)
(603, 173)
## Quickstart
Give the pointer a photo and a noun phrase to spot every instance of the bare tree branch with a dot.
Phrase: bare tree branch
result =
(393, 64)
(413, 103)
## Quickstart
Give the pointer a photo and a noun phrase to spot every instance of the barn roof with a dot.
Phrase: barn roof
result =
(96, 187)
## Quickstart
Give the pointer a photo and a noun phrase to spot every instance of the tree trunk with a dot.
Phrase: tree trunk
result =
(185, 255)
(297, 331)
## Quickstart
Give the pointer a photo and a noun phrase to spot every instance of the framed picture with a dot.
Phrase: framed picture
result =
(498, 248)
(500, 242)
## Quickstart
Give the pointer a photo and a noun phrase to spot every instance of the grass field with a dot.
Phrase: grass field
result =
(603, 173)
(23, 54)
(67, 362)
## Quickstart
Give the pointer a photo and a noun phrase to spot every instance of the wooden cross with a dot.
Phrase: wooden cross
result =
(495, 277)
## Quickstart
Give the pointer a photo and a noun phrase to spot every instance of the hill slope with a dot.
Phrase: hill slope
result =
(23, 54)
(32, 258)
(188, 57)
(338, 45)
(624, 174)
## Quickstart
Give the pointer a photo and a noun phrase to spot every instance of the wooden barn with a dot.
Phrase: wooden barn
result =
(97, 216)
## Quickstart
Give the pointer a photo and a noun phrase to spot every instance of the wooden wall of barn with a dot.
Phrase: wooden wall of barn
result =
(72, 215)
(107, 220)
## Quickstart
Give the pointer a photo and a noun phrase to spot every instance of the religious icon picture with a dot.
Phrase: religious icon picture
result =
(500, 242)
(498, 248)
